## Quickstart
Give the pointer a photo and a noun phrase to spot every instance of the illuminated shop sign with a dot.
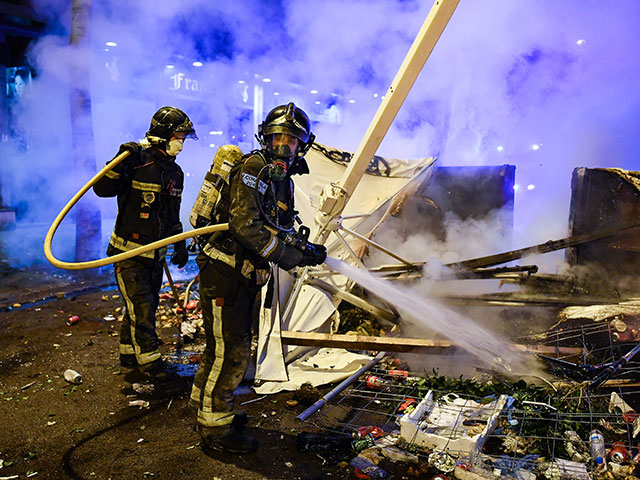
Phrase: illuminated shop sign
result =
(180, 82)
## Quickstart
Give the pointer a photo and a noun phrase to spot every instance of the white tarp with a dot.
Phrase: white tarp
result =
(314, 309)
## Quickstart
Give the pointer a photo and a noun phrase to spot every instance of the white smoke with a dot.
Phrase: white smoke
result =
(561, 76)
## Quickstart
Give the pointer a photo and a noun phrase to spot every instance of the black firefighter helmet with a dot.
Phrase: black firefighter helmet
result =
(169, 120)
(290, 120)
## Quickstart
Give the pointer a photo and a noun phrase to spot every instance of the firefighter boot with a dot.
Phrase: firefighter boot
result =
(236, 443)
(240, 420)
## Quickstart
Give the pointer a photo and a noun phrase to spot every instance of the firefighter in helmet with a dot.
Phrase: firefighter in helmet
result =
(148, 186)
(258, 204)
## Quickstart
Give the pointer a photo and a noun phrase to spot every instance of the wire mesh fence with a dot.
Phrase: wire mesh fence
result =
(509, 427)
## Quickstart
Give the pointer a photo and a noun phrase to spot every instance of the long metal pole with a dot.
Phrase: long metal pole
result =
(345, 383)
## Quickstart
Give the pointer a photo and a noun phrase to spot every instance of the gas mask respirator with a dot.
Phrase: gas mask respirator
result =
(174, 147)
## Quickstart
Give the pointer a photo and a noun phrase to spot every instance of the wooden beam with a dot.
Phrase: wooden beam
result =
(393, 344)
(411, 67)
(334, 197)
(550, 246)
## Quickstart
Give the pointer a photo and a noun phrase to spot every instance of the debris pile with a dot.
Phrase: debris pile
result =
(435, 426)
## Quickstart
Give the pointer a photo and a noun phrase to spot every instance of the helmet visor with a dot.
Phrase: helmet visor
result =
(187, 128)
(283, 145)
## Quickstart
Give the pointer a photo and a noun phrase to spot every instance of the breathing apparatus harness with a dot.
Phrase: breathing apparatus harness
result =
(276, 170)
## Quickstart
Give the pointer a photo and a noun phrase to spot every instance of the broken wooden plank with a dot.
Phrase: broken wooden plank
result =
(530, 299)
(546, 247)
(394, 344)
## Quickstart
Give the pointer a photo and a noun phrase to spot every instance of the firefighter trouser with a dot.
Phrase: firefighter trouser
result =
(227, 302)
(139, 283)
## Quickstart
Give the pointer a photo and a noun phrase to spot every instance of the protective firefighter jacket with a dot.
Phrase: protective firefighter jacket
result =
(250, 234)
(149, 190)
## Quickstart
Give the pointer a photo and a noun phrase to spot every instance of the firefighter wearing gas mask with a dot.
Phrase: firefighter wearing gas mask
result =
(258, 204)
(148, 186)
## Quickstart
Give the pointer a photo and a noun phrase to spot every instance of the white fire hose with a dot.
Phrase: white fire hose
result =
(121, 256)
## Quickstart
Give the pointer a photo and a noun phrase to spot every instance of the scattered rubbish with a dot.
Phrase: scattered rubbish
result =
(376, 383)
(618, 453)
(72, 376)
(323, 442)
(619, 406)
(407, 406)
(307, 394)
(540, 404)
(442, 461)
(27, 385)
(51, 423)
(516, 467)
(192, 304)
(139, 403)
(254, 400)
(440, 424)
(363, 443)
(396, 454)
(109, 318)
(598, 453)
(399, 374)
(362, 466)
(72, 320)
(292, 403)
(573, 470)
(188, 331)
(576, 447)
(375, 432)
(143, 388)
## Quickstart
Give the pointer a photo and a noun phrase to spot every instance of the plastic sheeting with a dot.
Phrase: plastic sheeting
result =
(314, 309)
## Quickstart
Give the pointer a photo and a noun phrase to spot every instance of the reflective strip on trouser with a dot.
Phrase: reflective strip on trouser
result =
(128, 245)
(139, 285)
(227, 352)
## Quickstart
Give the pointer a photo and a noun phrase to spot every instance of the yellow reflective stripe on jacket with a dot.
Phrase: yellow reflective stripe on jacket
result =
(212, 252)
(147, 187)
(266, 251)
(126, 245)
(112, 175)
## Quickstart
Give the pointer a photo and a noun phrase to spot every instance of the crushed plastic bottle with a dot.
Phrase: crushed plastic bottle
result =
(72, 376)
(598, 452)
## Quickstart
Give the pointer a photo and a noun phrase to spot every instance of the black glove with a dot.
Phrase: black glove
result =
(291, 257)
(313, 254)
(132, 147)
(132, 160)
(180, 254)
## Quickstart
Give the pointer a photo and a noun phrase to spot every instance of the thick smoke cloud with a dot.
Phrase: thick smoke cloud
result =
(505, 76)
